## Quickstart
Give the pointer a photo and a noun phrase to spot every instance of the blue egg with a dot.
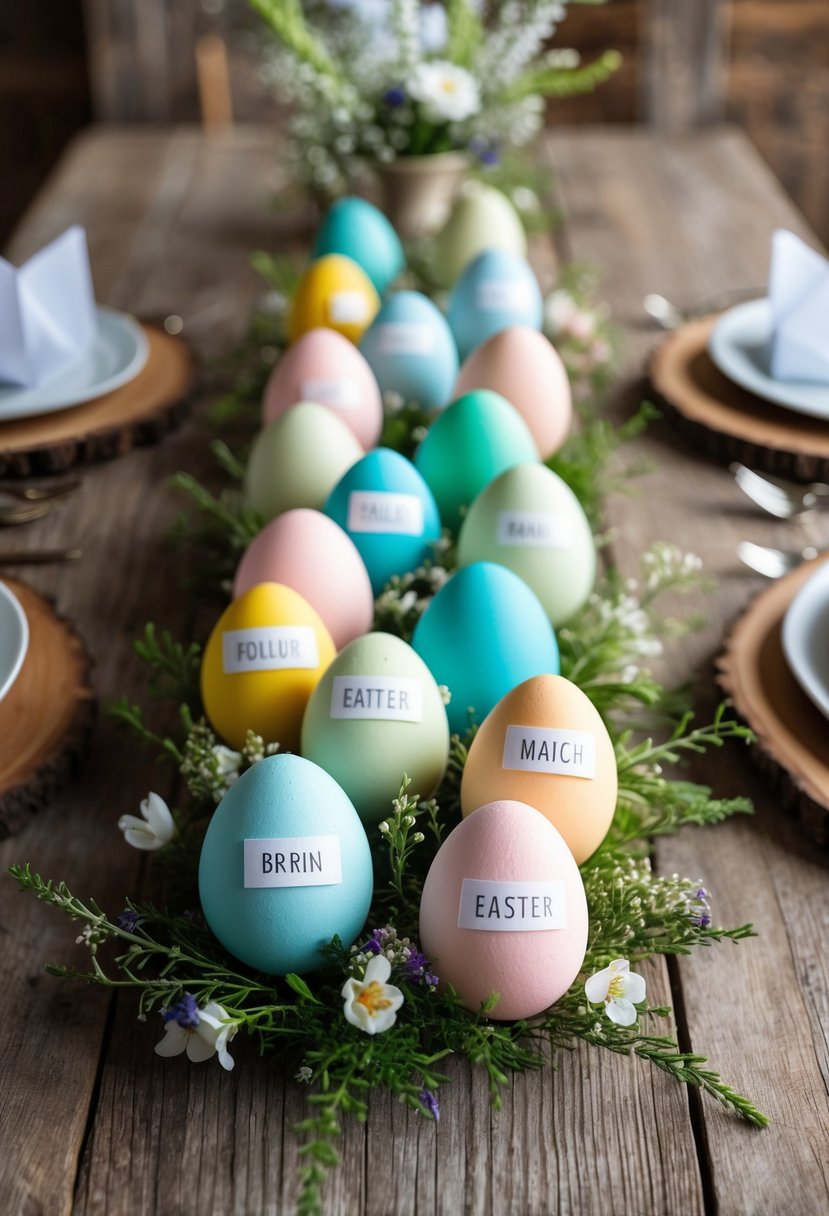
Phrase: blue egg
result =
(285, 866)
(498, 289)
(484, 633)
(411, 351)
(358, 230)
(389, 512)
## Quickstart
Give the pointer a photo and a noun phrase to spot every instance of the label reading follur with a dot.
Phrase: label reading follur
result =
(337, 394)
(536, 749)
(533, 529)
(293, 861)
(510, 907)
(383, 698)
(379, 511)
(348, 308)
(269, 648)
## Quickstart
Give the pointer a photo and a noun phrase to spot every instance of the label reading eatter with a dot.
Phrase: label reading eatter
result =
(384, 698)
(269, 648)
(533, 529)
(535, 749)
(379, 511)
(507, 907)
(293, 861)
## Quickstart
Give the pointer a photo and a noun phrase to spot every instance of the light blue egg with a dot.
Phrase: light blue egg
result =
(498, 289)
(389, 512)
(285, 821)
(357, 229)
(411, 351)
(484, 633)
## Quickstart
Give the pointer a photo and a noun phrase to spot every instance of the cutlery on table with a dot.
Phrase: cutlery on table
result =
(784, 499)
(58, 489)
(39, 557)
(670, 316)
(773, 563)
(27, 512)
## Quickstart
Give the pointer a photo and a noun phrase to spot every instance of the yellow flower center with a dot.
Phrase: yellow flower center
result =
(616, 987)
(449, 86)
(372, 999)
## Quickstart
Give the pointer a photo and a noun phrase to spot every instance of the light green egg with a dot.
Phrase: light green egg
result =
(376, 714)
(482, 218)
(530, 521)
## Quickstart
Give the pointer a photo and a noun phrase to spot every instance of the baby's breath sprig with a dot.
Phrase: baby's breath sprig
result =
(402, 836)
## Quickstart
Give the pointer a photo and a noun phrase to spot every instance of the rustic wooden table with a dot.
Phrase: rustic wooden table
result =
(93, 1120)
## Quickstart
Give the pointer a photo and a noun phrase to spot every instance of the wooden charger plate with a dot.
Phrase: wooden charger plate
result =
(792, 734)
(45, 716)
(728, 421)
(141, 411)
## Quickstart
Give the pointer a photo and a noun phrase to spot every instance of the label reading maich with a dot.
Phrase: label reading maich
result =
(510, 907)
(532, 529)
(348, 308)
(269, 648)
(383, 698)
(536, 749)
(337, 394)
(293, 861)
(406, 338)
(379, 511)
(494, 296)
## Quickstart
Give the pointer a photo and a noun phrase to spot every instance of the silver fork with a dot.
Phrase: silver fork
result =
(781, 498)
(773, 563)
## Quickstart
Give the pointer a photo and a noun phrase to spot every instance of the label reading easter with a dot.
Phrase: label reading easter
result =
(338, 394)
(533, 529)
(510, 907)
(378, 511)
(269, 648)
(536, 749)
(406, 338)
(383, 698)
(494, 296)
(293, 861)
(348, 308)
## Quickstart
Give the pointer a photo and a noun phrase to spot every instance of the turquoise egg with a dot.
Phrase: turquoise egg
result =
(484, 633)
(388, 510)
(357, 229)
(411, 351)
(496, 290)
(285, 866)
(491, 435)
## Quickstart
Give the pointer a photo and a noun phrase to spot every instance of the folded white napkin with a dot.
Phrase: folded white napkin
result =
(47, 310)
(799, 295)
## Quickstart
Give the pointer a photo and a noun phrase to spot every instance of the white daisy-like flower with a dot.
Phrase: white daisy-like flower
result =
(371, 1004)
(202, 1033)
(448, 93)
(619, 988)
(154, 830)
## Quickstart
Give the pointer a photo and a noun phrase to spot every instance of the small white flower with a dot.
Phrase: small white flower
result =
(445, 693)
(209, 1037)
(621, 990)
(227, 761)
(304, 1075)
(155, 829)
(448, 93)
(371, 1004)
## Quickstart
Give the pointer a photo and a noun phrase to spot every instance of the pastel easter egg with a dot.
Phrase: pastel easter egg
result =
(484, 632)
(262, 661)
(356, 228)
(545, 743)
(529, 520)
(285, 866)
(307, 551)
(389, 512)
(472, 441)
(334, 293)
(376, 714)
(324, 367)
(496, 290)
(411, 351)
(482, 218)
(526, 368)
(503, 911)
(297, 459)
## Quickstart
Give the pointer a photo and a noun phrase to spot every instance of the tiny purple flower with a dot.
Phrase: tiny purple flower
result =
(431, 1103)
(375, 943)
(486, 152)
(185, 1012)
(702, 895)
(127, 920)
(418, 968)
(702, 921)
(395, 96)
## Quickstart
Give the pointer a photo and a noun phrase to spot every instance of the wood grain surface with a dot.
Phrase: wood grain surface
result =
(93, 1121)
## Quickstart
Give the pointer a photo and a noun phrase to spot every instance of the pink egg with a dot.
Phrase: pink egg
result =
(524, 366)
(307, 551)
(503, 910)
(324, 367)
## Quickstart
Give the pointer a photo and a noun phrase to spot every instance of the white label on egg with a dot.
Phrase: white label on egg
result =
(510, 907)
(493, 296)
(533, 529)
(406, 338)
(384, 698)
(379, 511)
(293, 861)
(338, 394)
(536, 749)
(269, 648)
(348, 308)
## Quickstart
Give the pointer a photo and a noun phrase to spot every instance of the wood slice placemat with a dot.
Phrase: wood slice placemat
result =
(46, 715)
(792, 734)
(141, 411)
(729, 422)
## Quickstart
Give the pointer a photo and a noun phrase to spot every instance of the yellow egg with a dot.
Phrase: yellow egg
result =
(545, 744)
(262, 661)
(334, 293)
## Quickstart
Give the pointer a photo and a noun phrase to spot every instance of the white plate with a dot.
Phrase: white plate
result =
(740, 345)
(117, 354)
(14, 639)
(806, 638)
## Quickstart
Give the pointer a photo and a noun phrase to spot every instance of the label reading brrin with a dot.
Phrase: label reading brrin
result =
(379, 511)
(494, 296)
(384, 698)
(406, 338)
(338, 394)
(293, 861)
(348, 308)
(533, 529)
(537, 749)
(510, 907)
(269, 648)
